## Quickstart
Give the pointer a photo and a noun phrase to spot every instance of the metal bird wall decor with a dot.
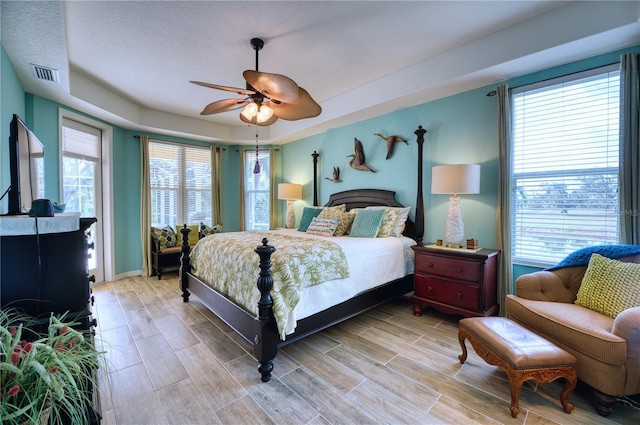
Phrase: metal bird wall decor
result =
(357, 158)
(391, 143)
(336, 175)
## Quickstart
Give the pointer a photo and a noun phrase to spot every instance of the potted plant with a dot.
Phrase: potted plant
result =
(45, 378)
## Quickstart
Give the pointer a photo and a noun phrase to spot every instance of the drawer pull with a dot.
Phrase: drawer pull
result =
(429, 289)
(459, 269)
(429, 264)
(459, 294)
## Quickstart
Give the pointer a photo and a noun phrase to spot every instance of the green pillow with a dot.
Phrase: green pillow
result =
(165, 236)
(308, 214)
(366, 224)
(609, 286)
(193, 234)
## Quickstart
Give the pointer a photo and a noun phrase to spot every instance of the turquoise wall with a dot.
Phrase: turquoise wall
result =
(460, 129)
(12, 102)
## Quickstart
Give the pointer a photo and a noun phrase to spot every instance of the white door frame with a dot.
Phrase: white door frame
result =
(107, 184)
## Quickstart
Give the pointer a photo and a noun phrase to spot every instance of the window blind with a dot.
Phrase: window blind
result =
(180, 184)
(80, 141)
(565, 136)
(256, 190)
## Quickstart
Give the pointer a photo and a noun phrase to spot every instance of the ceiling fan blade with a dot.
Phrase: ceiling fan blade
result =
(225, 88)
(224, 105)
(254, 120)
(273, 86)
(305, 108)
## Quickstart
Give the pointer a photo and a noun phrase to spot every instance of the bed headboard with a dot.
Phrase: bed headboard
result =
(360, 198)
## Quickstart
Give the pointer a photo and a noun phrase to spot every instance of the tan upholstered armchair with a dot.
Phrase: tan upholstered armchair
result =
(607, 350)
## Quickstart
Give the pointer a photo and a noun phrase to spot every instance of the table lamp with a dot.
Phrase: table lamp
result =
(290, 192)
(455, 179)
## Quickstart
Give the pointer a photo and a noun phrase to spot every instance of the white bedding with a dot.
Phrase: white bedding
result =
(372, 262)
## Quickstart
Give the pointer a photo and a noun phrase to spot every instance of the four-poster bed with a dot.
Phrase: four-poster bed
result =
(260, 330)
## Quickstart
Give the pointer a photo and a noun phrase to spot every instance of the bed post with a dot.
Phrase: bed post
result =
(419, 202)
(185, 267)
(315, 156)
(266, 336)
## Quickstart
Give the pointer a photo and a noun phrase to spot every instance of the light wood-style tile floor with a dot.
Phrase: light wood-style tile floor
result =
(170, 362)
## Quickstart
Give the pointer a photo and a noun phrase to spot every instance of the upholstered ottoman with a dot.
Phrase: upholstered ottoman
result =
(521, 353)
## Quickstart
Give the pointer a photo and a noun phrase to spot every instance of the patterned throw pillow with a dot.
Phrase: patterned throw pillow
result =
(206, 230)
(308, 214)
(389, 219)
(609, 286)
(323, 226)
(366, 224)
(346, 219)
(403, 216)
(166, 237)
(194, 234)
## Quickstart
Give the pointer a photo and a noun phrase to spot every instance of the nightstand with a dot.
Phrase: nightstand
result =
(456, 281)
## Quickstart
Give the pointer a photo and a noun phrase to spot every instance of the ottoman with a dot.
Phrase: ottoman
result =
(522, 354)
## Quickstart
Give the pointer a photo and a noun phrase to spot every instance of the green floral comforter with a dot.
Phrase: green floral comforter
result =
(227, 262)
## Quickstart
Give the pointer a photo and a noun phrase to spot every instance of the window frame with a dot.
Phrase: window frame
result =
(566, 176)
(182, 190)
(249, 213)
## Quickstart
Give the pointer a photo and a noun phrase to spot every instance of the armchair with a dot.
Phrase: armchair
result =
(607, 349)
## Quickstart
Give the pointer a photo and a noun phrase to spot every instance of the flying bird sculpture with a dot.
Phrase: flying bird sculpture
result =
(391, 142)
(336, 175)
(357, 158)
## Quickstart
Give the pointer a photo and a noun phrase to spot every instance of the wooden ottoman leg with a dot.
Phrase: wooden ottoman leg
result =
(516, 378)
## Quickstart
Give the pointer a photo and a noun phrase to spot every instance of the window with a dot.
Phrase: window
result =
(180, 184)
(257, 191)
(565, 165)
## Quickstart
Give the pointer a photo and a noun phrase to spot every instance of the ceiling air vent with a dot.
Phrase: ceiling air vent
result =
(44, 73)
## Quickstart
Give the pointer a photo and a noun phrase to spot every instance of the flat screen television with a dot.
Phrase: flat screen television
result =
(26, 163)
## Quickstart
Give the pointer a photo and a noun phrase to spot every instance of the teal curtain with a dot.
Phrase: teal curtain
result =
(629, 173)
(503, 207)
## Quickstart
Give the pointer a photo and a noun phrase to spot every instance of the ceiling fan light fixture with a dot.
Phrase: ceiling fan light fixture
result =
(264, 113)
(250, 110)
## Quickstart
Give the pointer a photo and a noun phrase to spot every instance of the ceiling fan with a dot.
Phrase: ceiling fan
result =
(269, 97)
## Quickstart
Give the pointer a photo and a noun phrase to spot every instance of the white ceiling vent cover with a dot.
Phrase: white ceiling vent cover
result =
(44, 73)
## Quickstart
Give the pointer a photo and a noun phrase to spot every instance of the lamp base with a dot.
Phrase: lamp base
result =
(454, 229)
(290, 221)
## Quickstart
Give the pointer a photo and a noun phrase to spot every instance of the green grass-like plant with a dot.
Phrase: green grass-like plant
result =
(44, 375)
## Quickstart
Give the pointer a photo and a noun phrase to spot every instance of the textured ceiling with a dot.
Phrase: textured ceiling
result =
(129, 62)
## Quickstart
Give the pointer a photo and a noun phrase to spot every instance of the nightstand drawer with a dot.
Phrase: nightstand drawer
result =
(454, 268)
(447, 292)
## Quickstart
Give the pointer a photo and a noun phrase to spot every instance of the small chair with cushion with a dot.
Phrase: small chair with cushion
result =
(165, 245)
(589, 305)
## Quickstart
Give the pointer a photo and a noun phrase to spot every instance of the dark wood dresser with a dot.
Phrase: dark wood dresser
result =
(43, 270)
(456, 281)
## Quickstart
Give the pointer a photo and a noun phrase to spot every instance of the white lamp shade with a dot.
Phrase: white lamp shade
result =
(455, 178)
(289, 191)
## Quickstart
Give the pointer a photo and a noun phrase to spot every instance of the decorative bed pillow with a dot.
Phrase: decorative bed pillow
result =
(366, 224)
(323, 226)
(166, 237)
(346, 219)
(194, 234)
(206, 230)
(308, 214)
(609, 286)
(341, 207)
(403, 215)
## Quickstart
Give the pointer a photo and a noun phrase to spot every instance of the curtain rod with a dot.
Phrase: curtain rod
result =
(173, 141)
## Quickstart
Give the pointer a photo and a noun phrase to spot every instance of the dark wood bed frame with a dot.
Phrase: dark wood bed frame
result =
(261, 331)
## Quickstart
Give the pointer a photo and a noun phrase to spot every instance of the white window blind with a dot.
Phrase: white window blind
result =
(256, 190)
(180, 184)
(80, 141)
(565, 165)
